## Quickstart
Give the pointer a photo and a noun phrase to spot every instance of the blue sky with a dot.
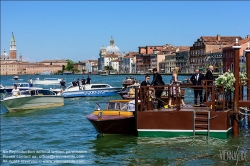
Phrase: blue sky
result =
(76, 30)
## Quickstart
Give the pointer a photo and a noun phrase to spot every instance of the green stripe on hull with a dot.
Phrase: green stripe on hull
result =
(169, 134)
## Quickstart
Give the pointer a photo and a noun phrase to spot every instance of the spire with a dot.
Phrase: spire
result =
(112, 43)
(12, 39)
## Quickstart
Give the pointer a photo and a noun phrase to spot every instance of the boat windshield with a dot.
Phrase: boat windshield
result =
(50, 79)
(99, 86)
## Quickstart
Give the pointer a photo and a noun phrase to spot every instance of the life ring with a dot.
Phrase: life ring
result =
(61, 91)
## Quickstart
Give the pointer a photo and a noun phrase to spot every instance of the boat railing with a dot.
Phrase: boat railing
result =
(216, 96)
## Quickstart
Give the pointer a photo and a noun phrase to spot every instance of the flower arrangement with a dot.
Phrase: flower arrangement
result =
(227, 79)
(243, 77)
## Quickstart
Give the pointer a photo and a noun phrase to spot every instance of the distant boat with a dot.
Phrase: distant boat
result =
(31, 99)
(15, 78)
(46, 73)
(47, 81)
(67, 72)
(104, 73)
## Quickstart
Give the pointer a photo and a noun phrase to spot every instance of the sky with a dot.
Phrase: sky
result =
(76, 30)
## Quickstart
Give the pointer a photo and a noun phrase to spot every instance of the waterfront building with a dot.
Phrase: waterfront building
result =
(228, 55)
(128, 64)
(204, 45)
(87, 66)
(112, 49)
(214, 58)
(170, 62)
(182, 59)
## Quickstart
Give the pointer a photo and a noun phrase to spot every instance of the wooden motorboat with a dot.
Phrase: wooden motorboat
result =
(128, 81)
(114, 117)
(128, 92)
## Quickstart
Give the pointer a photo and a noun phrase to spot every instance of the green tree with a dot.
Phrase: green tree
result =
(70, 65)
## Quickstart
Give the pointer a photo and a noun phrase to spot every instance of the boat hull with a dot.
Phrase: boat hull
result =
(21, 103)
(180, 123)
(113, 124)
(90, 93)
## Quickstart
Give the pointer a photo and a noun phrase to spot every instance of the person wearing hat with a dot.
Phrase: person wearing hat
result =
(15, 91)
(157, 81)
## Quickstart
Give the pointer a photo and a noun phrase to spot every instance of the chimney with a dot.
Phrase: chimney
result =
(248, 36)
(218, 37)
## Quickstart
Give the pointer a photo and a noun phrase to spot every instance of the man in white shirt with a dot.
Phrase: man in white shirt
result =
(15, 91)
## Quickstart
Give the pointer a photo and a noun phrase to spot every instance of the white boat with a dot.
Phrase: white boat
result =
(31, 99)
(104, 73)
(47, 81)
(46, 73)
(15, 78)
(90, 90)
(20, 85)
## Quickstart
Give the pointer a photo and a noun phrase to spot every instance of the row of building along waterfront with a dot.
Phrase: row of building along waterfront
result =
(206, 50)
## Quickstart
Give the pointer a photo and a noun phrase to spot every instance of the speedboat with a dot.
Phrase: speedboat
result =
(15, 78)
(114, 117)
(128, 81)
(104, 73)
(20, 85)
(47, 81)
(90, 90)
(31, 99)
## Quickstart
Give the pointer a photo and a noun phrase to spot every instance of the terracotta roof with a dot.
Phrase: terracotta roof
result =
(111, 56)
(216, 40)
(54, 61)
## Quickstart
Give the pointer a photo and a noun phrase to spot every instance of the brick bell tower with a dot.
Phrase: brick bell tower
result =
(12, 48)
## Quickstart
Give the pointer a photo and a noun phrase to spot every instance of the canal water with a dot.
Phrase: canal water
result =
(63, 136)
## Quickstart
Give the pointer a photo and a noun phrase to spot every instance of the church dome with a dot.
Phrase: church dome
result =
(103, 48)
(4, 55)
(112, 48)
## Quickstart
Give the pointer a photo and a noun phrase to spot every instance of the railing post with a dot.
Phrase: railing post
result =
(236, 48)
(247, 51)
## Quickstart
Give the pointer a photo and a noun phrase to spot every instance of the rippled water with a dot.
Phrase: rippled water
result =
(63, 135)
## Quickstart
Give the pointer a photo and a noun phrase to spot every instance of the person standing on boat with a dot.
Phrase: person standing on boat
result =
(88, 81)
(196, 79)
(146, 81)
(83, 81)
(157, 81)
(30, 82)
(15, 91)
(74, 83)
(78, 83)
(175, 89)
(63, 84)
(209, 78)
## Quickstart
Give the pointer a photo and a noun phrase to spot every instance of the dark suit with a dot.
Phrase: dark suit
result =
(157, 81)
(209, 78)
(198, 90)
